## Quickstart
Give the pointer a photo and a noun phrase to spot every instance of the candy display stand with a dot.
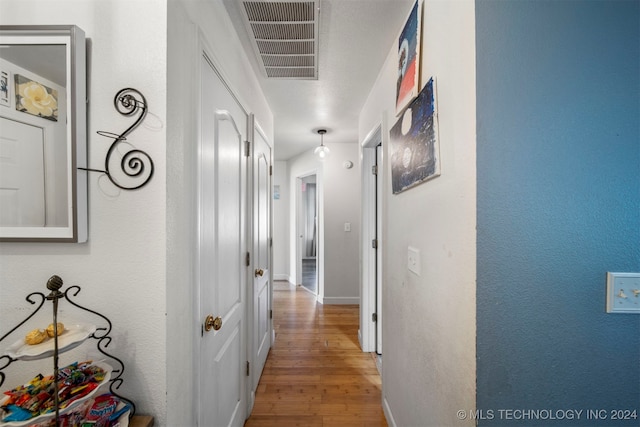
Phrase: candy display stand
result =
(73, 336)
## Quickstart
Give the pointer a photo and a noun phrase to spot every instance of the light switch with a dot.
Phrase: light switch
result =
(623, 293)
(347, 226)
(413, 260)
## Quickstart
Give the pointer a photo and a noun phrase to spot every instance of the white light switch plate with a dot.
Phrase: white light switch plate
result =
(413, 260)
(623, 293)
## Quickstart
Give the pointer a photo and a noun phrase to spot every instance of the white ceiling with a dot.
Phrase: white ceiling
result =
(355, 38)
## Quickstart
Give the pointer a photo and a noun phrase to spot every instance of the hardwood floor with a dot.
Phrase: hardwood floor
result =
(316, 375)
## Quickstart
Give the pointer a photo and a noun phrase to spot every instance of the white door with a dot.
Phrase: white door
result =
(22, 202)
(222, 251)
(262, 288)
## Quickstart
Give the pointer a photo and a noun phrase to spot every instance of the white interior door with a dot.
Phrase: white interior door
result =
(22, 196)
(262, 285)
(222, 249)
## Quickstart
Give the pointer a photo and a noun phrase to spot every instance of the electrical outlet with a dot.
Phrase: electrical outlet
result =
(347, 226)
(623, 293)
(413, 260)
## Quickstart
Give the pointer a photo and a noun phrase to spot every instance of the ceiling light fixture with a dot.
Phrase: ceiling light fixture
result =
(322, 150)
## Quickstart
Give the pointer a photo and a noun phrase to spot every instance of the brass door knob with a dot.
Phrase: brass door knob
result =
(259, 272)
(211, 323)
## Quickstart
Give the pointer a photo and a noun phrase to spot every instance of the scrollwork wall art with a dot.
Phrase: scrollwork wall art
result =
(127, 167)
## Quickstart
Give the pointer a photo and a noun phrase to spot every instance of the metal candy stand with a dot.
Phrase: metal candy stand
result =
(101, 334)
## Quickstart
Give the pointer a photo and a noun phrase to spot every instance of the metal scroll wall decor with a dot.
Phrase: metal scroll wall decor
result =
(136, 166)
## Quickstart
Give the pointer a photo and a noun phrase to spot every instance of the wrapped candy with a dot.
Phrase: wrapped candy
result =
(100, 413)
(37, 397)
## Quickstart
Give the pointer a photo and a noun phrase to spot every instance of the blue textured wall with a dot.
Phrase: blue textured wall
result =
(558, 168)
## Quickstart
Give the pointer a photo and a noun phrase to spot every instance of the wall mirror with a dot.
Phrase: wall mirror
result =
(43, 194)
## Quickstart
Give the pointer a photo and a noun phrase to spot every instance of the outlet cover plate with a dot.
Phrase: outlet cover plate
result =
(623, 293)
(413, 260)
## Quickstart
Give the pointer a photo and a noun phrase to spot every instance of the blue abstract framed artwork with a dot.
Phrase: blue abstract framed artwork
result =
(409, 58)
(414, 146)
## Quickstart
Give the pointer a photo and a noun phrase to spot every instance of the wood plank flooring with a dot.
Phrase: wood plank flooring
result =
(316, 375)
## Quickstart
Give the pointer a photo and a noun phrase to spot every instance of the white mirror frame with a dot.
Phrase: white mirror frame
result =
(76, 130)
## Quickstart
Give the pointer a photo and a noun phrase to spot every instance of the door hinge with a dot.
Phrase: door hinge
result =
(270, 170)
(248, 368)
(374, 243)
(248, 259)
(270, 314)
(374, 317)
(270, 242)
(374, 169)
(247, 146)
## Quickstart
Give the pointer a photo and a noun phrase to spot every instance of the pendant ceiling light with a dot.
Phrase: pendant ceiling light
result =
(322, 150)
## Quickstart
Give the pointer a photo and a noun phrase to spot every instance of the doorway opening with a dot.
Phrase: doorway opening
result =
(308, 233)
(372, 244)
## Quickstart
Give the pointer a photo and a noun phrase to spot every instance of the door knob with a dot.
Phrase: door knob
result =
(259, 272)
(211, 323)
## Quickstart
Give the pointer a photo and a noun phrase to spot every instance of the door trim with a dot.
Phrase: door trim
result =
(320, 231)
(254, 127)
(368, 272)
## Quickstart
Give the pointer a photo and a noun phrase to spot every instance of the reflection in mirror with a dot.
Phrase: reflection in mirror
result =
(42, 134)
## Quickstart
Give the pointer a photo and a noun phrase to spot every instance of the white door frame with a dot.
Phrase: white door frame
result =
(255, 373)
(302, 225)
(320, 230)
(380, 204)
(371, 267)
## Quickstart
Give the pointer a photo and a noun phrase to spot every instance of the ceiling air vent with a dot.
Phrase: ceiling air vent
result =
(284, 35)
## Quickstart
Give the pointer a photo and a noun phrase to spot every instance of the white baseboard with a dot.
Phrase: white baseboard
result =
(252, 400)
(281, 277)
(387, 413)
(341, 300)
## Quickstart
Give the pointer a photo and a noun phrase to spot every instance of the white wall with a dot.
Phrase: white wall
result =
(121, 269)
(341, 205)
(429, 320)
(182, 137)
(339, 202)
(281, 223)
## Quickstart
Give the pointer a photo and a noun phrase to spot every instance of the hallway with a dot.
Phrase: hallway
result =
(315, 374)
